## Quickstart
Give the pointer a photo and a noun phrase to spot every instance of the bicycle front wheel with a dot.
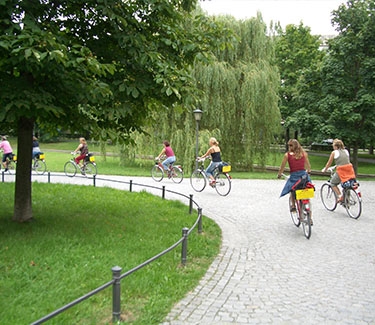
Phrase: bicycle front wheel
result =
(177, 174)
(70, 169)
(328, 197)
(198, 180)
(39, 166)
(294, 212)
(353, 203)
(306, 220)
(223, 184)
(90, 169)
(157, 173)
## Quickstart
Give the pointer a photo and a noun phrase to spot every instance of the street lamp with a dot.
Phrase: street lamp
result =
(197, 115)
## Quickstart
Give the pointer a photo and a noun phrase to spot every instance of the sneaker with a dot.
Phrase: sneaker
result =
(212, 183)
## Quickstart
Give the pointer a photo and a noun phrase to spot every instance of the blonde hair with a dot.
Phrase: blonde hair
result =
(82, 140)
(338, 143)
(296, 148)
(214, 141)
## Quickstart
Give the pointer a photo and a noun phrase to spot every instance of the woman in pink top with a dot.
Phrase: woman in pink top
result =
(8, 152)
(167, 151)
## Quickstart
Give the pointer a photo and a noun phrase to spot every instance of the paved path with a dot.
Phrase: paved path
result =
(267, 272)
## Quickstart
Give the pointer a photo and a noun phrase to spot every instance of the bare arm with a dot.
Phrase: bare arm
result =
(207, 153)
(307, 163)
(329, 162)
(78, 148)
(160, 154)
(283, 164)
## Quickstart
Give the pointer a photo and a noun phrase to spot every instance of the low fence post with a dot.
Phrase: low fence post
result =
(130, 186)
(200, 227)
(184, 245)
(2, 176)
(94, 180)
(191, 204)
(116, 294)
(49, 177)
(163, 192)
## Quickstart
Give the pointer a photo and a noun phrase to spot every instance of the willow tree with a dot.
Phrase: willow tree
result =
(241, 93)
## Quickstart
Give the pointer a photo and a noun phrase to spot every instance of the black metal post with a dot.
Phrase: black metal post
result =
(163, 192)
(116, 294)
(184, 246)
(49, 177)
(131, 186)
(200, 227)
(94, 180)
(191, 204)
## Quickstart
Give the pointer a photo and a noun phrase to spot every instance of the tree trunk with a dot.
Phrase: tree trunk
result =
(355, 158)
(22, 197)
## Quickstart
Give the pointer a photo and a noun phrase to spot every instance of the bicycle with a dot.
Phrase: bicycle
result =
(301, 214)
(38, 164)
(222, 182)
(351, 196)
(173, 172)
(87, 169)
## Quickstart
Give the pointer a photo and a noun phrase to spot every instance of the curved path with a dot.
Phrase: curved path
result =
(267, 272)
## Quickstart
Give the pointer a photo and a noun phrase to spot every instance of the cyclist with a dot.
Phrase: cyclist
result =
(8, 151)
(215, 153)
(36, 149)
(83, 149)
(299, 165)
(167, 151)
(341, 157)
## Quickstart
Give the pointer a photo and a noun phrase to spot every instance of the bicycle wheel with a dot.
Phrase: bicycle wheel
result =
(294, 214)
(328, 197)
(353, 203)
(177, 174)
(39, 166)
(90, 169)
(198, 180)
(157, 173)
(70, 169)
(306, 220)
(223, 184)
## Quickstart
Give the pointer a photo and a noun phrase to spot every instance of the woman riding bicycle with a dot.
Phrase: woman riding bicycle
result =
(299, 165)
(341, 157)
(215, 153)
(83, 149)
(167, 151)
(8, 151)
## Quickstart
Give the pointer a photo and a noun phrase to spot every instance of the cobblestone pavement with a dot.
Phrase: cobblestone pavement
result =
(267, 272)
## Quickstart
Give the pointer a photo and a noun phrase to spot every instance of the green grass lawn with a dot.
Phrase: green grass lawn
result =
(78, 235)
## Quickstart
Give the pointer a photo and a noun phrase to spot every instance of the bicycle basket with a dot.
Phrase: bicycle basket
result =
(224, 167)
(90, 157)
(14, 157)
(306, 193)
(41, 156)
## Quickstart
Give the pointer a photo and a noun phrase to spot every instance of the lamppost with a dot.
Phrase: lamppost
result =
(197, 115)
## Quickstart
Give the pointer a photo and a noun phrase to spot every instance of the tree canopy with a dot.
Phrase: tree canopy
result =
(95, 67)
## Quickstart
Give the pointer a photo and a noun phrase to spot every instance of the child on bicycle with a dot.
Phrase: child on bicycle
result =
(83, 149)
(8, 151)
(36, 149)
(299, 165)
(215, 153)
(167, 151)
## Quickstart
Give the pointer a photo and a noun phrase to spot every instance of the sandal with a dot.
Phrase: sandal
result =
(340, 200)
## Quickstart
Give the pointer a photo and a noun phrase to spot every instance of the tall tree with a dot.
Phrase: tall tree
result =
(99, 67)
(297, 50)
(348, 76)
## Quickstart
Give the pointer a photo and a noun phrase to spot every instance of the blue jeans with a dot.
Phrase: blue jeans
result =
(170, 160)
(211, 167)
